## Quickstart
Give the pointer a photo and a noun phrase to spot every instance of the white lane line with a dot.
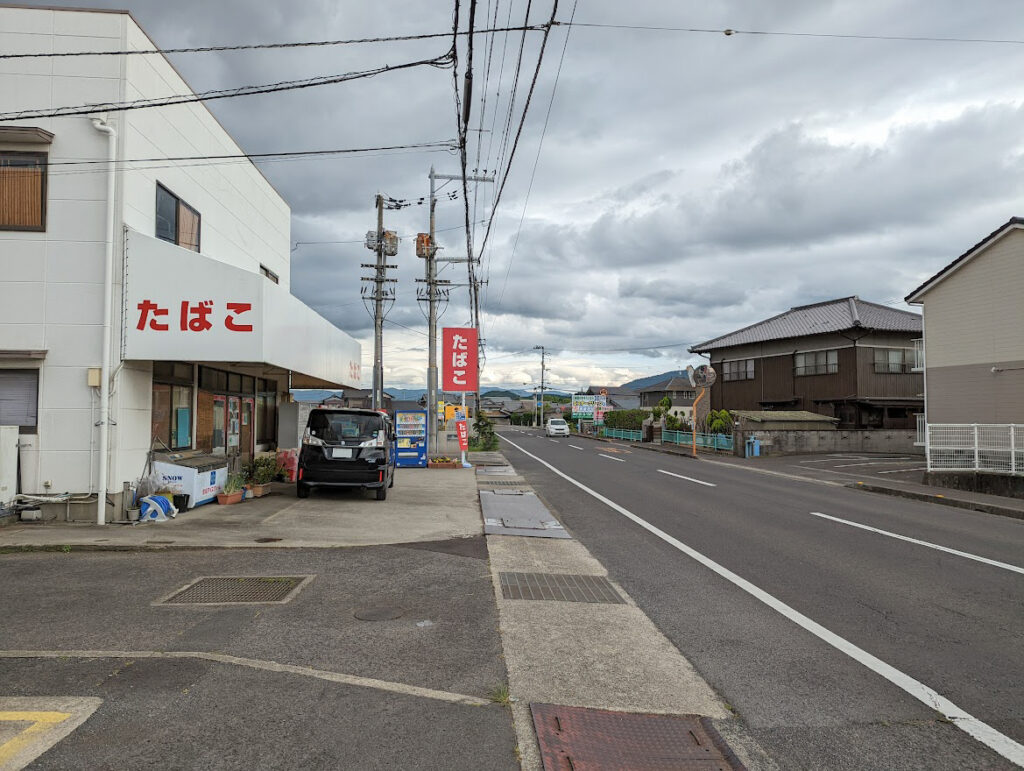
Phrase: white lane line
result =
(575, 447)
(904, 470)
(966, 722)
(688, 479)
(609, 457)
(553, 440)
(874, 463)
(908, 539)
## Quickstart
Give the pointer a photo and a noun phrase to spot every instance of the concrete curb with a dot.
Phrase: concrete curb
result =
(985, 508)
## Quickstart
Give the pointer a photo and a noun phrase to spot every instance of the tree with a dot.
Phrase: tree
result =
(719, 422)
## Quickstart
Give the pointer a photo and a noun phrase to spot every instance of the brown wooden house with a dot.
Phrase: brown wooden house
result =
(846, 358)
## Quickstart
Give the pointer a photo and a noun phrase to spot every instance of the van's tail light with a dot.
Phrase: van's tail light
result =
(312, 441)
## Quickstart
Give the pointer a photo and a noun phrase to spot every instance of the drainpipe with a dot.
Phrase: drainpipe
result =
(100, 124)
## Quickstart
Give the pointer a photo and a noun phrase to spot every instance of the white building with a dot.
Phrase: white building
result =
(202, 332)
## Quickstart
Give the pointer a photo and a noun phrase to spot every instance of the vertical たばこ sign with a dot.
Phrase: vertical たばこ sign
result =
(459, 357)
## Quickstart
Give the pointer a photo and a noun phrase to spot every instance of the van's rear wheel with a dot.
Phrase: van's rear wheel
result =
(301, 490)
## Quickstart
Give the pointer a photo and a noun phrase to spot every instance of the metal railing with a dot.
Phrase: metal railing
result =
(918, 355)
(622, 433)
(922, 430)
(995, 448)
(704, 441)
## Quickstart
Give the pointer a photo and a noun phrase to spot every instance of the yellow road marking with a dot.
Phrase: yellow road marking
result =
(40, 721)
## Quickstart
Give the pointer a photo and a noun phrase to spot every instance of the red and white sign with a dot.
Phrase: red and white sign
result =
(459, 354)
(463, 431)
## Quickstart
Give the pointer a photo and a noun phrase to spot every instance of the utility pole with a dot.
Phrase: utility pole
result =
(543, 353)
(384, 243)
(435, 288)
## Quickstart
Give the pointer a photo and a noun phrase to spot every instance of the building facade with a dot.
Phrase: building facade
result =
(845, 358)
(145, 303)
(973, 357)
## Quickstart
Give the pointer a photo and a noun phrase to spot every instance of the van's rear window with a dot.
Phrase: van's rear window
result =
(335, 427)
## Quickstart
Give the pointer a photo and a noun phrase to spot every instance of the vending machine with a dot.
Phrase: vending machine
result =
(411, 433)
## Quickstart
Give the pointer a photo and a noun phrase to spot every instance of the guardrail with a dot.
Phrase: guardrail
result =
(704, 441)
(622, 433)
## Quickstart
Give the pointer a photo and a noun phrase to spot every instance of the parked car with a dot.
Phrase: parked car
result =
(556, 427)
(347, 448)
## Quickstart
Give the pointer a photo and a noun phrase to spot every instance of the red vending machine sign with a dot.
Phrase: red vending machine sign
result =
(459, 354)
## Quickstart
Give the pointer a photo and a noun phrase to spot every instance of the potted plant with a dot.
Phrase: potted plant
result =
(443, 461)
(260, 472)
(232, 490)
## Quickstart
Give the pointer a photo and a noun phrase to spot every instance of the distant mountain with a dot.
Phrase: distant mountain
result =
(502, 394)
(644, 382)
(406, 394)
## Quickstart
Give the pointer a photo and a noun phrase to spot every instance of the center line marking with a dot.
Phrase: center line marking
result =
(553, 440)
(575, 447)
(983, 732)
(688, 479)
(609, 457)
(975, 557)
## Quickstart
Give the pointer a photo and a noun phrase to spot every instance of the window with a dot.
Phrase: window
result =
(742, 369)
(893, 360)
(22, 191)
(269, 273)
(816, 363)
(19, 399)
(176, 221)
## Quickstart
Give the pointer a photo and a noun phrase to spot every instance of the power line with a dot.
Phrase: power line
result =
(360, 240)
(265, 46)
(781, 33)
(440, 62)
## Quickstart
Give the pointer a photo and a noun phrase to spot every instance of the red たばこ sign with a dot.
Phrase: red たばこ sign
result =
(459, 357)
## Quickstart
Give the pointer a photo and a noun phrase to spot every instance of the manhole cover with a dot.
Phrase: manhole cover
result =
(558, 586)
(580, 738)
(379, 613)
(237, 590)
(268, 540)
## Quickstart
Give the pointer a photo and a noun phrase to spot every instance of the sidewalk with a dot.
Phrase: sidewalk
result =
(601, 655)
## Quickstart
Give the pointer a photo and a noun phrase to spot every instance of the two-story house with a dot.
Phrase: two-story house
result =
(678, 389)
(974, 364)
(144, 299)
(845, 358)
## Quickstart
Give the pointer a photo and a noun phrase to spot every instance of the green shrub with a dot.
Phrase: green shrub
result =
(627, 419)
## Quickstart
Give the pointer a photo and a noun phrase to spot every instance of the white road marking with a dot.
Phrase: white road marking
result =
(609, 457)
(873, 463)
(553, 440)
(904, 470)
(688, 479)
(975, 557)
(966, 722)
(268, 666)
(575, 447)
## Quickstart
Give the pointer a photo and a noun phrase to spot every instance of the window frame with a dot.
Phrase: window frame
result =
(28, 428)
(823, 367)
(738, 369)
(886, 367)
(44, 166)
(179, 204)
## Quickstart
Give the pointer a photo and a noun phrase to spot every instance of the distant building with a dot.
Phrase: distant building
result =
(677, 389)
(619, 398)
(845, 358)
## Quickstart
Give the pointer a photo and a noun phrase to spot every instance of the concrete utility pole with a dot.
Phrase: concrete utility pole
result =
(379, 242)
(433, 285)
(543, 353)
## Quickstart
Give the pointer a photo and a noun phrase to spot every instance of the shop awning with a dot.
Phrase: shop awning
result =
(182, 306)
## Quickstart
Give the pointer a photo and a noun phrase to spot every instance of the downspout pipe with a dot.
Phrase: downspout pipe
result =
(100, 124)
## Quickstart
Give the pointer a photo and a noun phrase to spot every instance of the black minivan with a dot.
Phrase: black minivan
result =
(347, 448)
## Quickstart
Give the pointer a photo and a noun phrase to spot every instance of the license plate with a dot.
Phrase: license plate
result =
(341, 452)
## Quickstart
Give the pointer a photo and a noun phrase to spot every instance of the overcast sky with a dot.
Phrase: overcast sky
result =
(689, 183)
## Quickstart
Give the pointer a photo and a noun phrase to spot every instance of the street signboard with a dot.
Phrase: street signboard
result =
(459, 355)
(462, 430)
(584, 405)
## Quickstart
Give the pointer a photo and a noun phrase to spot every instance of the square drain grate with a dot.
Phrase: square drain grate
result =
(558, 586)
(487, 483)
(582, 738)
(237, 590)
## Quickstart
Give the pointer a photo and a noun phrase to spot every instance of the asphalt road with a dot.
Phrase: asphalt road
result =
(945, 622)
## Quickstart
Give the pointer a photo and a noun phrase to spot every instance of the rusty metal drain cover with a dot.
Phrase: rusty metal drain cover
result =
(379, 613)
(558, 586)
(581, 739)
(237, 590)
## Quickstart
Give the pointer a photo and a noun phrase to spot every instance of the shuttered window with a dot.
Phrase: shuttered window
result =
(22, 191)
(176, 221)
(19, 399)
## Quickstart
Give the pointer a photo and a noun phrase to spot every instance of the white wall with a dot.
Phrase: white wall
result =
(51, 282)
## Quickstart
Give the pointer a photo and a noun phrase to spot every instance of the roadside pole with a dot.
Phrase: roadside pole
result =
(543, 353)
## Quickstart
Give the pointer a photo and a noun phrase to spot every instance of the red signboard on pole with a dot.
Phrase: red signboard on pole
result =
(459, 354)
(463, 431)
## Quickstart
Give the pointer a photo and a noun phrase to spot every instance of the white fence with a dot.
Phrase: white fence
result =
(976, 447)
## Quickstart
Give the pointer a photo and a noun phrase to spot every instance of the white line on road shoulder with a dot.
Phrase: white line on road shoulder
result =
(688, 479)
(575, 446)
(553, 440)
(609, 457)
(966, 722)
(986, 560)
